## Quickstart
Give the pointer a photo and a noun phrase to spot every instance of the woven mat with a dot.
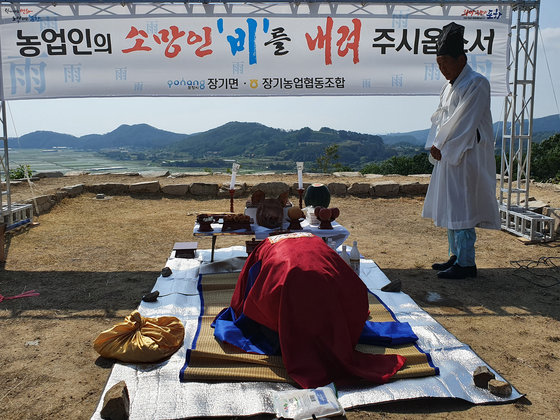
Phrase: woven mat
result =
(215, 361)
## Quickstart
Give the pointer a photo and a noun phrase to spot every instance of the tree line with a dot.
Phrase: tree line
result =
(545, 162)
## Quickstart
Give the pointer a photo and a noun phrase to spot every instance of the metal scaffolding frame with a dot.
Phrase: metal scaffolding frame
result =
(518, 115)
(12, 215)
(517, 132)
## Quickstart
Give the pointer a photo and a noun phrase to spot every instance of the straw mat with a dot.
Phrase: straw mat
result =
(212, 360)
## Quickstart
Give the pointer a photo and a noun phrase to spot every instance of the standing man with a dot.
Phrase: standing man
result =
(462, 190)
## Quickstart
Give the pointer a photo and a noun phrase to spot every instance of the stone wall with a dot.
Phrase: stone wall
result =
(200, 190)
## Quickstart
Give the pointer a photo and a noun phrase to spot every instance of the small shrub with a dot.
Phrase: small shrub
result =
(22, 171)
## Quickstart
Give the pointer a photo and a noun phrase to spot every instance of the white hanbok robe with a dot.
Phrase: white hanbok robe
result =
(462, 190)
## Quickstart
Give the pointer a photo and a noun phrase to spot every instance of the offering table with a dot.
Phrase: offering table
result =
(338, 233)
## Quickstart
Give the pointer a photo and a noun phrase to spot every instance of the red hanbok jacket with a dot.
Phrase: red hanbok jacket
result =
(318, 306)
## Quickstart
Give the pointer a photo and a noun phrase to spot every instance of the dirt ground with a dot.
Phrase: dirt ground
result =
(92, 260)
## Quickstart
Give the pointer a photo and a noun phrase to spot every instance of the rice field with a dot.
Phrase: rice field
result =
(68, 160)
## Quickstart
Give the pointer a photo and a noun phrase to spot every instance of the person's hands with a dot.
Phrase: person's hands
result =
(435, 152)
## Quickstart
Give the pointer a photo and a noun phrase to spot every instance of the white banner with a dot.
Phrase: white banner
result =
(259, 54)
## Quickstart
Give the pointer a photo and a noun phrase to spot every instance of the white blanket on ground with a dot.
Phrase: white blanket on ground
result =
(156, 392)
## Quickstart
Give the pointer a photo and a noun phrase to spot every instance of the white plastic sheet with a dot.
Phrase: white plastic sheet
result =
(156, 392)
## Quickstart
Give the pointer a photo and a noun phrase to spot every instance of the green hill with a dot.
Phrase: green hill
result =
(253, 140)
(134, 136)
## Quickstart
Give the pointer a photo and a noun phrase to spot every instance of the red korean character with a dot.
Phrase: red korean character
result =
(352, 40)
(139, 44)
(322, 41)
(194, 38)
(172, 50)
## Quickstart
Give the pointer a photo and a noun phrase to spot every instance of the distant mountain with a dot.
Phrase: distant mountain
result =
(43, 140)
(543, 128)
(237, 139)
(229, 141)
(417, 138)
(280, 148)
(137, 136)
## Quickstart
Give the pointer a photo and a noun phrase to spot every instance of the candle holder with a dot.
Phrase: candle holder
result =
(300, 191)
(231, 193)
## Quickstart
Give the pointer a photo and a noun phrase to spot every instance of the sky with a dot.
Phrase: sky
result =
(364, 114)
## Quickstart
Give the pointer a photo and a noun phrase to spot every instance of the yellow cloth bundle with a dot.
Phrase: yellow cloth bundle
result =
(140, 339)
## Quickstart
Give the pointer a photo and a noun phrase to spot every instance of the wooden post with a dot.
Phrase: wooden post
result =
(231, 193)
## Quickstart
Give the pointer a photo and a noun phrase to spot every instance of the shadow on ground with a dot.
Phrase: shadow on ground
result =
(73, 292)
(495, 292)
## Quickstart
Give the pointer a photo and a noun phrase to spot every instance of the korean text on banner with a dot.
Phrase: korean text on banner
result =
(266, 54)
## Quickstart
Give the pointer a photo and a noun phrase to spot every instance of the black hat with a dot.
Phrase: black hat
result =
(450, 41)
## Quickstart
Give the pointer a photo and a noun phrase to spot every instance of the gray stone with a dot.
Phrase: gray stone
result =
(76, 173)
(186, 174)
(224, 194)
(154, 174)
(555, 214)
(421, 175)
(116, 402)
(385, 189)
(239, 190)
(337, 188)
(73, 190)
(263, 173)
(42, 199)
(175, 189)
(42, 204)
(271, 189)
(499, 388)
(60, 195)
(413, 188)
(359, 189)
(109, 188)
(238, 187)
(481, 376)
(126, 173)
(200, 189)
(49, 174)
(149, 187)
(373, 176)
(537, 206)
(295, 187)
(347, 174)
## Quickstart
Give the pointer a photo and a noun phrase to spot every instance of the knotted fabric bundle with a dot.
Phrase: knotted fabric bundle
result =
(140, 339)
